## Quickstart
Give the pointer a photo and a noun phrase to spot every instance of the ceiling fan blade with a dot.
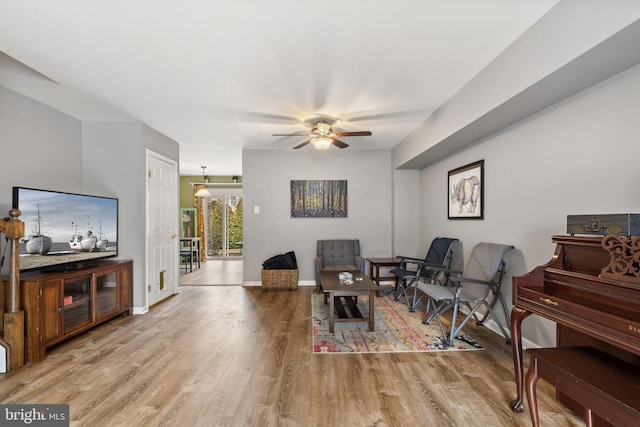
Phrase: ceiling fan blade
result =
(339, 143)
(256, 117)
(361, 133)
(292, 134)
(407, 111)
(302, 145)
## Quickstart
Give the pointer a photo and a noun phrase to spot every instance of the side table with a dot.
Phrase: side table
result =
(374, 271)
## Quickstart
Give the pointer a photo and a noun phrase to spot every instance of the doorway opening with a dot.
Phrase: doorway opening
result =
(223, 224)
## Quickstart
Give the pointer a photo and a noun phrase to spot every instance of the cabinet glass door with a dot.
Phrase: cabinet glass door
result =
(106, 293)
(78, 310)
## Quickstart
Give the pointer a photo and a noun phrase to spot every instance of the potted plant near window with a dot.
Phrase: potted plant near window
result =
(235, 178)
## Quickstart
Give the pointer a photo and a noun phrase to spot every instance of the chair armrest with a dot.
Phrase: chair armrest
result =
(438, 267)
(404, 260)
(360, 262)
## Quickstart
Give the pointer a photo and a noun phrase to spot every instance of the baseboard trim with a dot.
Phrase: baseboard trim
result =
(140, 310)
(258, 283)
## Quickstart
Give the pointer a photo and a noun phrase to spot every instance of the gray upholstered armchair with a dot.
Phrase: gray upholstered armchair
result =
(338, 255)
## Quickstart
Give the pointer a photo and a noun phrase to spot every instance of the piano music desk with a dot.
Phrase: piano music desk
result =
(601, 383)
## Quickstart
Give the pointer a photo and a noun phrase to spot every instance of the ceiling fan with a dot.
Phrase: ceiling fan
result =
(322, 135)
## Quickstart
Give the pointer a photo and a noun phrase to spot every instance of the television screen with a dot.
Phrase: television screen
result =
(64, 231)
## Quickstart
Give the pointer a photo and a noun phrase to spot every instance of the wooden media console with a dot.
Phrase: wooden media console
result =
(61, 305)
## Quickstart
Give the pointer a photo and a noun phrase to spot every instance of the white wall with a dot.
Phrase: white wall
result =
(577, 157)
(266, 183)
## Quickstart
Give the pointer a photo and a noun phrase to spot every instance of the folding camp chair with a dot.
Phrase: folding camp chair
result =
(435, 268)
(481, 278)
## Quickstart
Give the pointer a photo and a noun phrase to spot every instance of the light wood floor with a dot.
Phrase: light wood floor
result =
(235, 356)
(214, 272)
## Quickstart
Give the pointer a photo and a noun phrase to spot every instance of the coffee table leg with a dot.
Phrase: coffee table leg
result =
(331, 311)
(372, 300)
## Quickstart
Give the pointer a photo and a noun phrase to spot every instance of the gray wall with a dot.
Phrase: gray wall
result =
(553, 144)
(43, 148)
(407, 240)
(38, 144)
(577, 157)
(553, 118)
(125, 143)
(266, 183)
(574, 46)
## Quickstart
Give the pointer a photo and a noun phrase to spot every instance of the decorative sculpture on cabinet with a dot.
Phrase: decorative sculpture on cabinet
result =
(12, 338)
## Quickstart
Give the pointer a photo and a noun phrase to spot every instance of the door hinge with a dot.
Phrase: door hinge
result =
(149, 173)
(149, 288)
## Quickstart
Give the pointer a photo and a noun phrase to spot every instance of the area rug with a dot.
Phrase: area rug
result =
(396, 330)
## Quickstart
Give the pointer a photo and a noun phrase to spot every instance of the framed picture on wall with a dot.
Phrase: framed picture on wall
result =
(318, 199)
(188, 222)
(465, 192)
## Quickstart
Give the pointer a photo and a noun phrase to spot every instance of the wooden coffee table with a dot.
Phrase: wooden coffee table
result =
(335, 289)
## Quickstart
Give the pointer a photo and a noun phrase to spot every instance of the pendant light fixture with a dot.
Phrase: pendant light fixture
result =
(203, 192)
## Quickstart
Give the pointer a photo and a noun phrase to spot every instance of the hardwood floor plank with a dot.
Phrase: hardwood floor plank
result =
(234, 356)
(182, 411)
(214, 272)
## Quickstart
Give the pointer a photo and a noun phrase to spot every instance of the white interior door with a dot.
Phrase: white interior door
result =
(162, 226)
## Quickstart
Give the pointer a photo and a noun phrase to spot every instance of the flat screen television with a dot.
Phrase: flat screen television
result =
(65, 231)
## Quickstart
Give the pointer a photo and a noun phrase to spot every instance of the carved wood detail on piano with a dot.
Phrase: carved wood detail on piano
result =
(625, 258)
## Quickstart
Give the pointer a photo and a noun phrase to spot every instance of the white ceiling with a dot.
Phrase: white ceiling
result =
(222, 76)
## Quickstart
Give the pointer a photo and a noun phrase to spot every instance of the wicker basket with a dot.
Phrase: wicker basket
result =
(280, 279)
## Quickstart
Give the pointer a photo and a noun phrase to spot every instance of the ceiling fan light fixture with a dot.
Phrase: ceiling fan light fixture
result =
(322, 135)
(323, 128)
(321, 143)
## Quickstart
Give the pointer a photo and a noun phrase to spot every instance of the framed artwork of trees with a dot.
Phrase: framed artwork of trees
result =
(319, 199)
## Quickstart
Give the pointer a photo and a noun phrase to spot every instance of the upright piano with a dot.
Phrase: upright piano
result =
(591, 289)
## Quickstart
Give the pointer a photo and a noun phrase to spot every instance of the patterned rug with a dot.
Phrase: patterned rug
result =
(396, 330)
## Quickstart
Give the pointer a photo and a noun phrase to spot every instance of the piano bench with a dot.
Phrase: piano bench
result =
(602, 384)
